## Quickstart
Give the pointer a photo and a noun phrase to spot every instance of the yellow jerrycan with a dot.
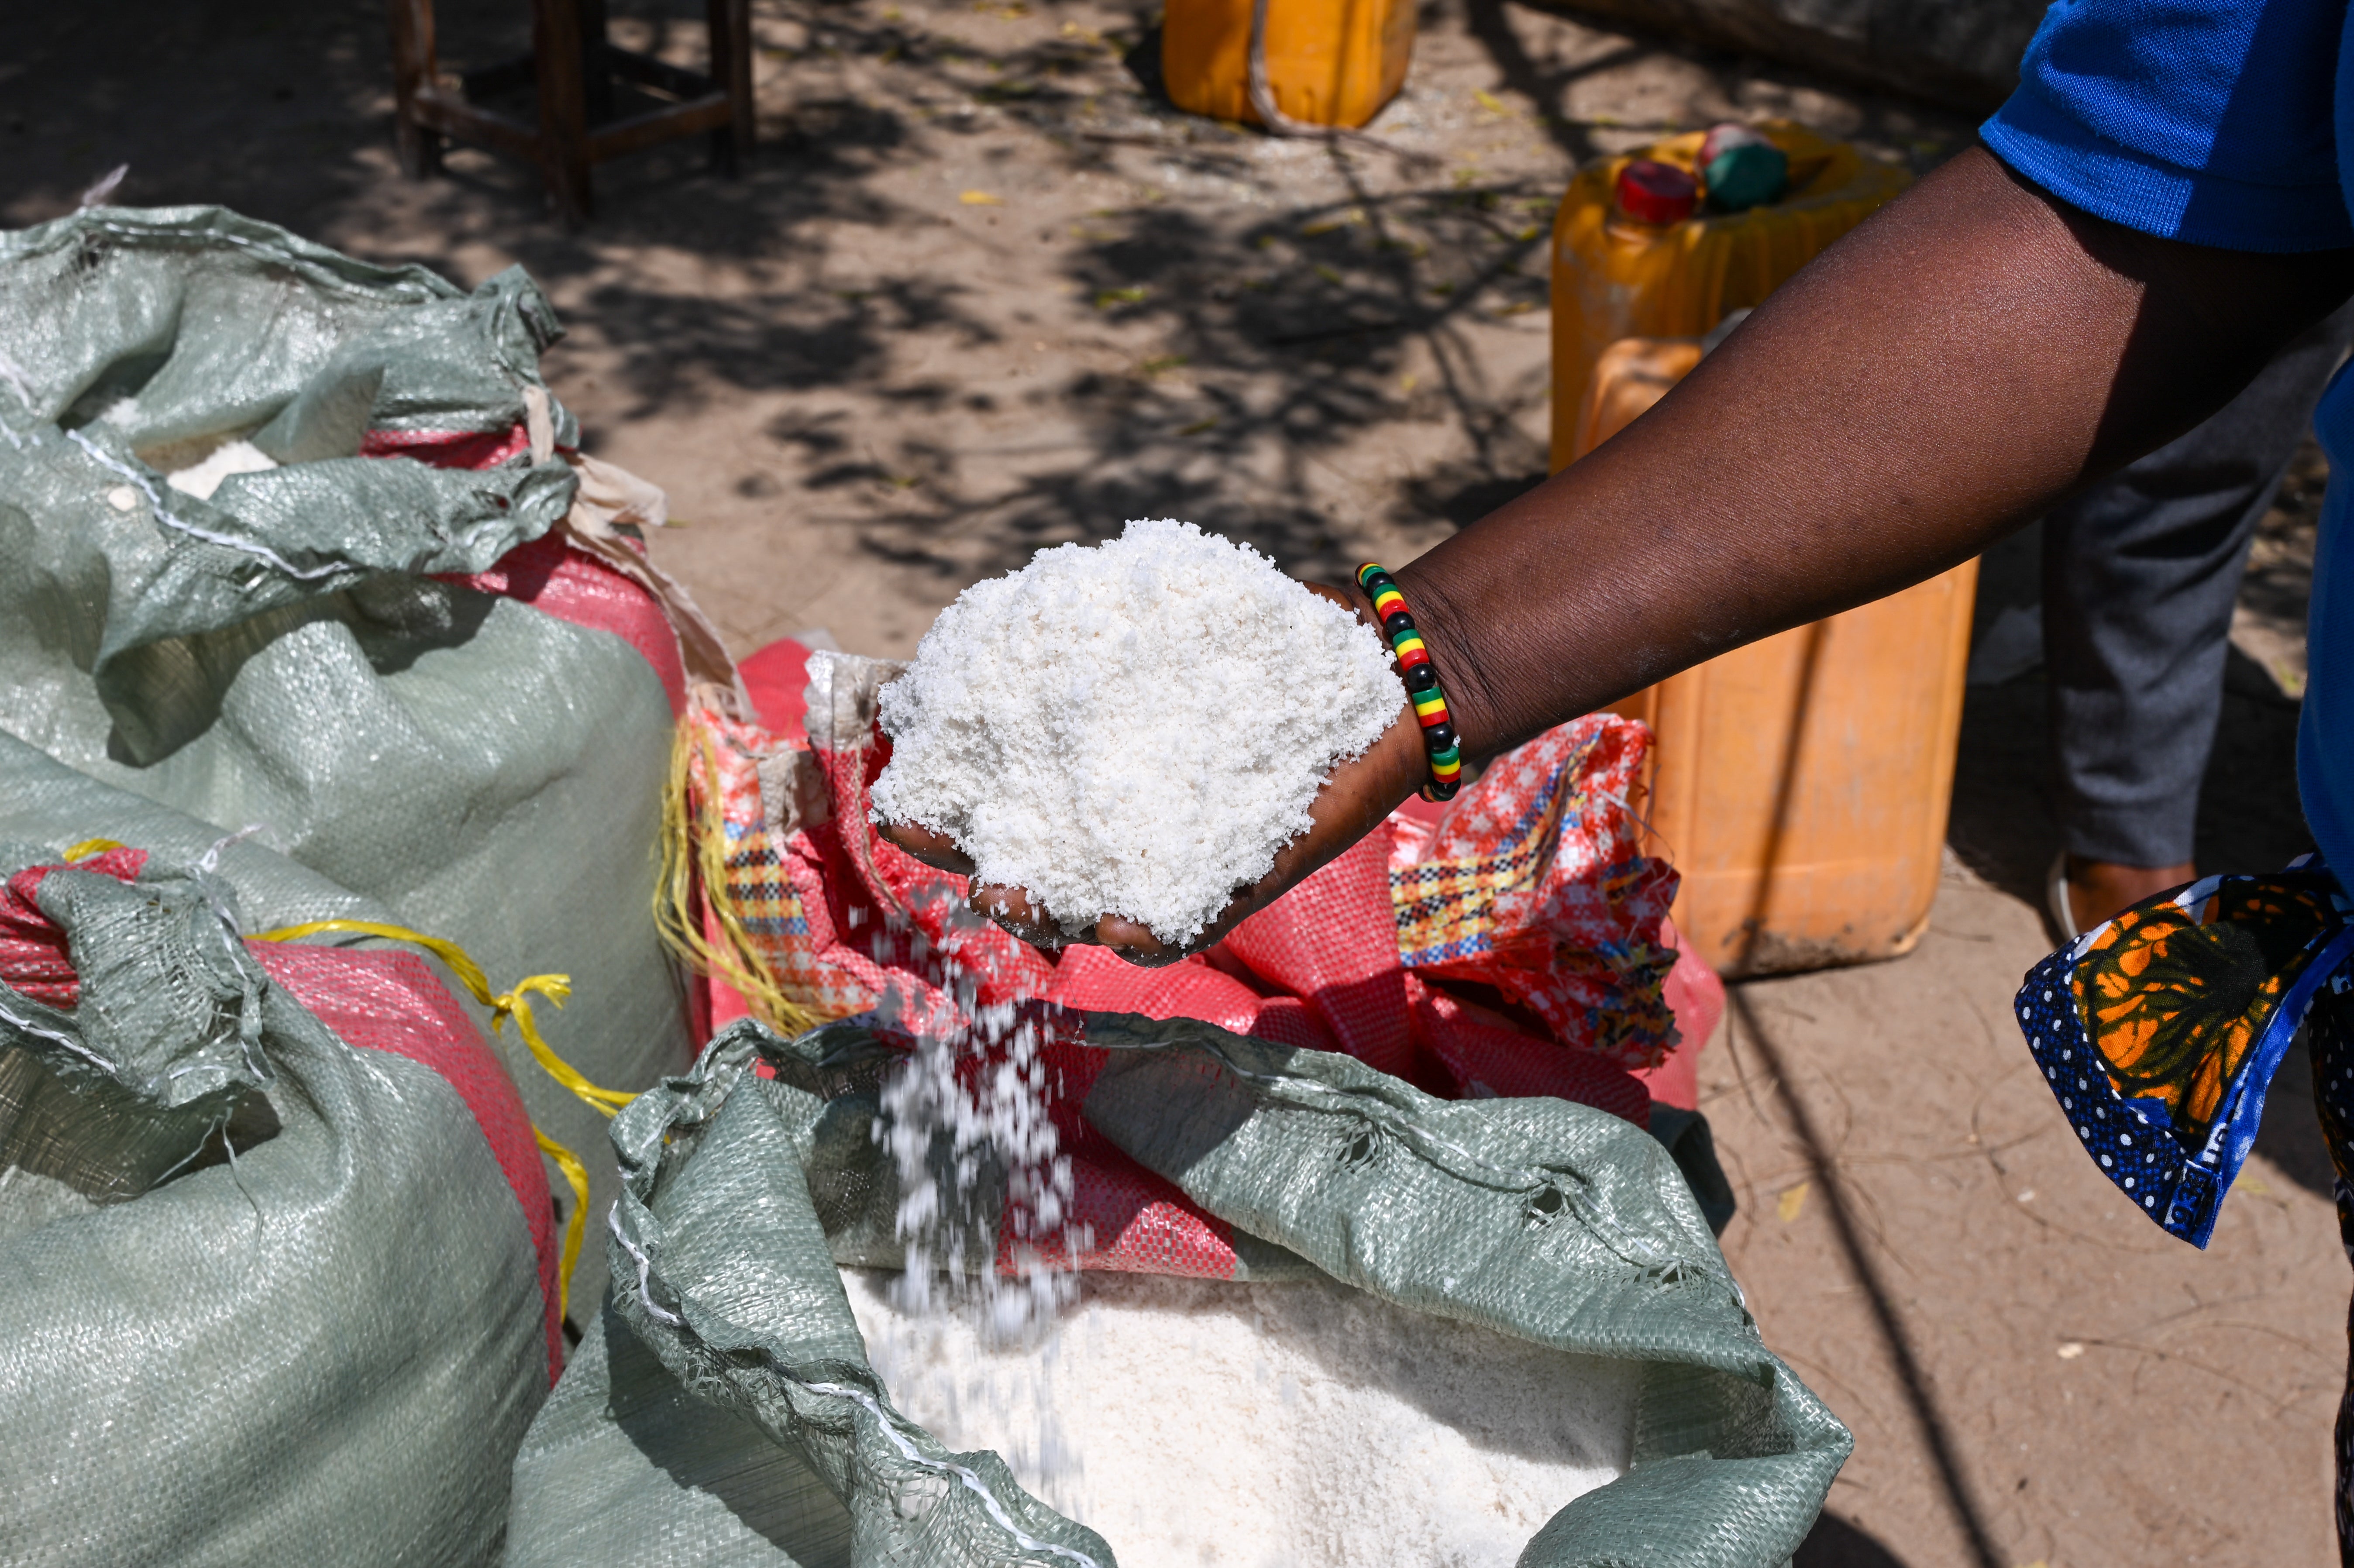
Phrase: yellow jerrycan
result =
(1329, 62)
(1615, 276)
(1800, 784)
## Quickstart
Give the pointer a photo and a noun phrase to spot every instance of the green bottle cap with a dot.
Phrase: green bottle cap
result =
(1742, 177)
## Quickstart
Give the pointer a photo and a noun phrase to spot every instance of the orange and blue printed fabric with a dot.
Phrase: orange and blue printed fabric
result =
(2159, 1031)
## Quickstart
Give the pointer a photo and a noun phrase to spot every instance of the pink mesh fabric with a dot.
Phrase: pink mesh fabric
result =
(392, 1002)
(1333, 941)
(33, 956)
(1123, 1218)
(449, 448)
(1126, 1220)
(557, 580)
(1696, 997)
(1487, 1058)
(777, 680)
(1093, 980)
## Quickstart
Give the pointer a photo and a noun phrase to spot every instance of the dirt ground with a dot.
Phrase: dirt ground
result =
(982, 290)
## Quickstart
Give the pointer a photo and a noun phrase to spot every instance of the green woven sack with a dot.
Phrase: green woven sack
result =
(271, 1291)
(724, 1410)
(277, 656)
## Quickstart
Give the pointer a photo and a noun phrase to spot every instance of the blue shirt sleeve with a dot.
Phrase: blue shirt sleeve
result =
(2205, 120)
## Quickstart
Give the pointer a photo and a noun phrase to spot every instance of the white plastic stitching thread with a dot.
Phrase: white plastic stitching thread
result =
(210, 862)
(14, 375)
(211, 537)
(645, 1268)
(973, 1482)
(10, 1016)
(1628, 807)
(220, 1127)
(176, 1074)
(102, 192)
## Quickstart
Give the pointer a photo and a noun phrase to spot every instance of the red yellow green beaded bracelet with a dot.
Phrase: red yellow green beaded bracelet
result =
(1438, 739)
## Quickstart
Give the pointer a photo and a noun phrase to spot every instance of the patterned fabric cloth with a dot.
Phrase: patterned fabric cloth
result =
(1535, 886)
(1530, 902)
(2160, 1031)
(838, 916)
(2159, 1034)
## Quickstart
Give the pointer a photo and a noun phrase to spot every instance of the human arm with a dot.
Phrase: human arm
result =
(1962, 361)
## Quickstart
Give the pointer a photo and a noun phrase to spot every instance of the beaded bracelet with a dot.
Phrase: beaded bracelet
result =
(1421, 680)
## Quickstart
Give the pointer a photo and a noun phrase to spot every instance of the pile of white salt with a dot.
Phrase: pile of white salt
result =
(1131, 729)
(1196, 1424)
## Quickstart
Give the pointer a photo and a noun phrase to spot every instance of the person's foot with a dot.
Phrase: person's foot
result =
(2099, 890)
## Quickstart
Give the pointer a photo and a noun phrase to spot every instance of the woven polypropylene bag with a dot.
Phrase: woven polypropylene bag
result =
(277, 1260)
(1553, 1223)
(1533, 891)
(285, 655)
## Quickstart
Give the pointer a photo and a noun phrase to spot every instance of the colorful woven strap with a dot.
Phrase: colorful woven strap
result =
(1421, 680)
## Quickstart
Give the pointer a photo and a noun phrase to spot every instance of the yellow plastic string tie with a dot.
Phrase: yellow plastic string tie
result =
(576, 1176)
(555, 987)
(694, 847)
(89, 847)
(516, 1003)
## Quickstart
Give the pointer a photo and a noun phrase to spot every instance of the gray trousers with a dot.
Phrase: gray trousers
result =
(2139, 577)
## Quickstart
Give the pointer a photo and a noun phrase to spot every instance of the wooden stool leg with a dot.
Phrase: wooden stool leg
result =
(596, 67)
(419, 150)
(563, 108)
(730, 23)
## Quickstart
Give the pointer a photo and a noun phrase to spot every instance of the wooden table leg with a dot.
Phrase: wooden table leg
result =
(730, 24)
(563, 108)
(419, 150)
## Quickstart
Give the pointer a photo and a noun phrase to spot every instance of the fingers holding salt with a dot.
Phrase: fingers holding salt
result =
(1123, 735)
(937, 850)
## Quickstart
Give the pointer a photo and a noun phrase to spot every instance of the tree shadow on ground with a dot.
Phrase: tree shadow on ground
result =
(1836, 1544)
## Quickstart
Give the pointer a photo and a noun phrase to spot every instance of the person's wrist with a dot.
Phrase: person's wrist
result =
(1444, 632)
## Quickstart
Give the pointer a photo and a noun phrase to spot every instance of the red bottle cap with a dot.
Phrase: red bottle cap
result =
(1653, 192)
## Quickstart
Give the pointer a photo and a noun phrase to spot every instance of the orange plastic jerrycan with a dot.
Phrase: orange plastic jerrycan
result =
(1615, 276)
(1329, 62)
(1800, 784)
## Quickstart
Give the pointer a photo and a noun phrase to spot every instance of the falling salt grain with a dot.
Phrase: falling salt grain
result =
(1132, 729)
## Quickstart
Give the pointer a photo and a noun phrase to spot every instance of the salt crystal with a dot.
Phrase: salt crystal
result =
(234, 457)
(1132, 729)
(1200, 1424)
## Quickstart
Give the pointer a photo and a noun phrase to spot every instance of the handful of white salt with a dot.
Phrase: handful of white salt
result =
(1131, 729)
